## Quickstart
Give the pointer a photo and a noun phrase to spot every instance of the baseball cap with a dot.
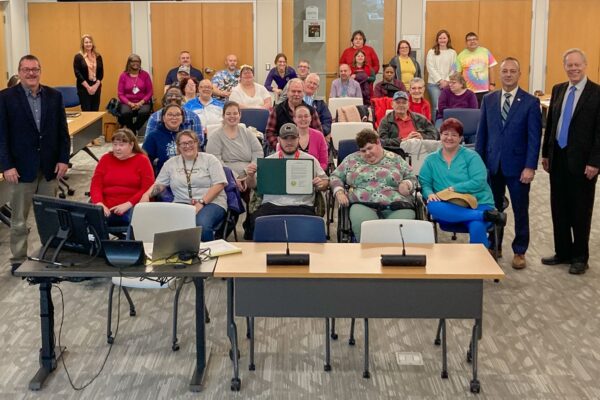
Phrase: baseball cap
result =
(288, 130)
(184, 68)
(400, 95)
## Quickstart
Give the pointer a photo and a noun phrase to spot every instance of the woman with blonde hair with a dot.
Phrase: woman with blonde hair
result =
(89, 72)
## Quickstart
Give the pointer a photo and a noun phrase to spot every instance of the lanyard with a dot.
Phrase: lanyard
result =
(188, 175)
(296, 155)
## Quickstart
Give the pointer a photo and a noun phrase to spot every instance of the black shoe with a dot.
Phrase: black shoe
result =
(13, 268)
(554, 260)
(578, 268)
(495, 216)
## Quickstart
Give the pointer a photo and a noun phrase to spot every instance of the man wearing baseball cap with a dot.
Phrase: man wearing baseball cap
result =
(185, 60)
(277, 204)
(401, 124)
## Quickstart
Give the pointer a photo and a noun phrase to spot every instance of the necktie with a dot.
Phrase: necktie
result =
(563, 135)
(505, 107)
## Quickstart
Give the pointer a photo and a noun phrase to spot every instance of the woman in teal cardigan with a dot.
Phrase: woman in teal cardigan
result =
(459, 170)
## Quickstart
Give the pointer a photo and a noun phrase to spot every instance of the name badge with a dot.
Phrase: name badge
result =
(135, 90)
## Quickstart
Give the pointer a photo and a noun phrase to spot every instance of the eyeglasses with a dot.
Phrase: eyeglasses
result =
(31, 70)
(173, 115)
(404, 47)
(187, 144)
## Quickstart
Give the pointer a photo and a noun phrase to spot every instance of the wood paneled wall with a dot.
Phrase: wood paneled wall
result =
(503, 26)
(55, 31)
(572, 23)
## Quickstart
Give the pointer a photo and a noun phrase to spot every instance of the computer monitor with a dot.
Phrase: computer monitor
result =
(71, 225)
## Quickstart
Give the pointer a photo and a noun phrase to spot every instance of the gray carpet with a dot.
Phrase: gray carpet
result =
(540, 339)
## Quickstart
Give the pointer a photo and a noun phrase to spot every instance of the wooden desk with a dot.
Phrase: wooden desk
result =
(40, 273)
(83, 129)
(347, 281)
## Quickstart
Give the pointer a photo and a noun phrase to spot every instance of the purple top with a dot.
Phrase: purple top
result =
(127, 83)
(450, 100)
(289, 74)
(317, 147)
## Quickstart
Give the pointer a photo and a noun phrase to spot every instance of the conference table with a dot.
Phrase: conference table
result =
(46, 276)
(346, 280)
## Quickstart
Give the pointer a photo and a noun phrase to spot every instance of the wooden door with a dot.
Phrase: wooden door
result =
(54, 35)
(3, 66)
(508, 36)
(175, 27)
(222, 37)
(572, 23)
(114, 47)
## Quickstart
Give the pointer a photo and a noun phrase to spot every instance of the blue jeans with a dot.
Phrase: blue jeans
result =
(434, 95)
(210, 218)
(448, 214)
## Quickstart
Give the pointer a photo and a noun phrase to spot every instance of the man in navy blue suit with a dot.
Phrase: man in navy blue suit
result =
(34, 147)
(508, 141)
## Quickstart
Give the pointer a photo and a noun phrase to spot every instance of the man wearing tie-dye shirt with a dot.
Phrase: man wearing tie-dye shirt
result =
(475, 63)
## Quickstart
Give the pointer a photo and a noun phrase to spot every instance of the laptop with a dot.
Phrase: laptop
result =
(169, 244)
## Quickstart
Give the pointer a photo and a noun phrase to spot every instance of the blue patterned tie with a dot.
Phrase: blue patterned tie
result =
(563, 135)
(505, 107)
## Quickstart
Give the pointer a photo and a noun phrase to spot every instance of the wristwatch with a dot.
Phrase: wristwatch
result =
(201, 201)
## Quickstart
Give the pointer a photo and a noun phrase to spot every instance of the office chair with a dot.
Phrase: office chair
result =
(235, 207)
(256, 117)
(69, 95)
(469, 117)
(334, 103)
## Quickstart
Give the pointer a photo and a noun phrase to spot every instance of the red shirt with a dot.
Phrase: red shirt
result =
(371, 58)
(423, 108)
(119, 181)
(405, 126)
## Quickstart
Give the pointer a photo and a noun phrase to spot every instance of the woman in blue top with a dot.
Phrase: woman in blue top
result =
(459, 170)
(281, 74)
(160, 144)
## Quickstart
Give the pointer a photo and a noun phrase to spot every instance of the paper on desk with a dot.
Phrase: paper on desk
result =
(220, 248)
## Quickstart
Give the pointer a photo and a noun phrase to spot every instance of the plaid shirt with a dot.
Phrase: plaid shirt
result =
(190, 121)
(273, 124)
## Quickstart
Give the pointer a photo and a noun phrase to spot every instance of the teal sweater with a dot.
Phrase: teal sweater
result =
(466, 174)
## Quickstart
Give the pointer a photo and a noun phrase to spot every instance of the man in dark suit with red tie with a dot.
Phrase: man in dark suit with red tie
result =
(34, 147)
(571, 154)
(508, 141)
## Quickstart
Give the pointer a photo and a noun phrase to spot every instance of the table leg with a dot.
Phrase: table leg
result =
(48, 354)
(327, 366)
(200, 368)
(251, 366)
(475, 385)
(89, 152)
(366, 373)
(236, 383)
(444, 350)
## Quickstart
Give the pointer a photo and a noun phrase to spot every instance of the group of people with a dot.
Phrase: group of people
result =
(178, 162)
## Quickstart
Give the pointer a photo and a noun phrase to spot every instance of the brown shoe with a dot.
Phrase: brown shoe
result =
(519, 261)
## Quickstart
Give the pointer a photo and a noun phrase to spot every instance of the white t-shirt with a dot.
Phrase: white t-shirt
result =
(206, 172)
(258, 101)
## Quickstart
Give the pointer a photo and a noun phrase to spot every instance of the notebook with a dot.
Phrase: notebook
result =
(168, 244)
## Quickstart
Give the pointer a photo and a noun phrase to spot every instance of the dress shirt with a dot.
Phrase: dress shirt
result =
(513, 94)
(580, 86)
(35, 103)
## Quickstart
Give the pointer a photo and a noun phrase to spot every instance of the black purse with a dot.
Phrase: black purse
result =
(113, 107)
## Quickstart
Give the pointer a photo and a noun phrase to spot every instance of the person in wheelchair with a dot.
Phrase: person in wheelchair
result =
(380, 184)
(454, 169)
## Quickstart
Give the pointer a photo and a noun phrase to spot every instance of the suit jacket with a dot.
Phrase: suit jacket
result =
(583, 145)
(22, 145)
(516, 145)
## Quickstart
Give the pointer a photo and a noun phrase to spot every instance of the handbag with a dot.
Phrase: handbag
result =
(113, 107)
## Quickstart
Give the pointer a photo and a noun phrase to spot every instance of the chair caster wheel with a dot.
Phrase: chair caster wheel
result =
(175, 347)
(469, 356)
(444, 374)
(475, 386)
(70, 192)
(327, 367)
(334, 336)
(351, 342)
(366, 374)
(132, 313)
(248, 335)
(110, 340)
(251, 367)
(236, 384)
(207, 320)
(62, 196)
(437, 342)
(231, 354)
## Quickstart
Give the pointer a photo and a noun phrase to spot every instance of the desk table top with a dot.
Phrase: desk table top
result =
(356, 260)
(82, 121)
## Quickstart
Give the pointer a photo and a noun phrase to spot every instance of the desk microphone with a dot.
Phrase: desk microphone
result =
(395, 260)
(287, 258)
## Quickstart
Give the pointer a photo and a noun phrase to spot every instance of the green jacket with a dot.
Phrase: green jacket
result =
(388, 130)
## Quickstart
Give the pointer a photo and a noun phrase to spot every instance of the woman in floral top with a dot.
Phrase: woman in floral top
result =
(380, 183)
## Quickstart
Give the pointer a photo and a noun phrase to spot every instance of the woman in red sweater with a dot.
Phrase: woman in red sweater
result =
(121, 177)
